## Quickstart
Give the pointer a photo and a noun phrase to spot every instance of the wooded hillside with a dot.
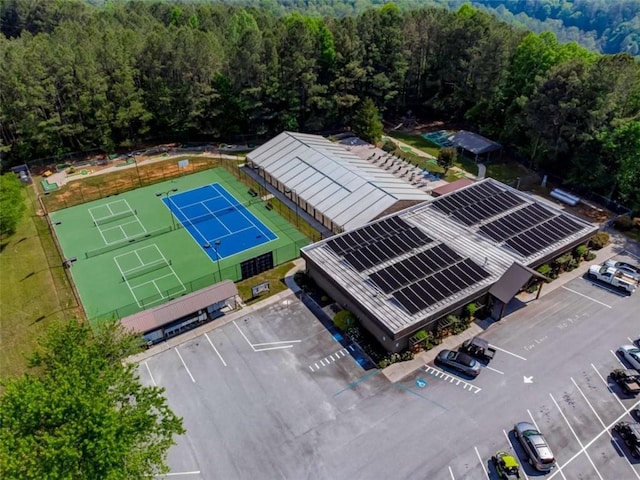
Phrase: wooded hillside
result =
(75, 77)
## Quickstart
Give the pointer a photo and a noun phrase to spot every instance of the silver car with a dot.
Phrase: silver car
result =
(460, 361)
(626, 268)
(631, 354)
(535, 446)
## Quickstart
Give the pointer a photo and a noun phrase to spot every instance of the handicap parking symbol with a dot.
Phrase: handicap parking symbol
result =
(421, 383)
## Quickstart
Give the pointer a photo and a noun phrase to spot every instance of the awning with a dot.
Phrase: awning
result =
(510, 283)
(474, 143)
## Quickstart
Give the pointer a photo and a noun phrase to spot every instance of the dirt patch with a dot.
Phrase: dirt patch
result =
(591, 212)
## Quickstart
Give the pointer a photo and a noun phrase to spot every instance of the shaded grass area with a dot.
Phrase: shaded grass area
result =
(416, 141)
(34, 291)
(275, 277)
(507, 172)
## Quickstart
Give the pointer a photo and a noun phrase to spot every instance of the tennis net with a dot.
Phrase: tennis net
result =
(114, 217)
(127, 241)
(238, 207)
(148, 268)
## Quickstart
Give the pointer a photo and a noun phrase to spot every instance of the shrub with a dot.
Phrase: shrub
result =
(383, 363)
(71, 170)
(623, 223)
(408, 355)
(533, 287)
(469, 311)
(545, 270)
(420, 335)
(590, 256)
(572, 265)
(344, 320)
(599, 240)
(563, 260)
(581, 252)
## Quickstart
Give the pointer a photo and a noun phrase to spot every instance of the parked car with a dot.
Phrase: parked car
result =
(507, 467)
(478, 348)
(459, 361)
(630, 384)
(630, 433)
(627, 268)
(631, 354)
(535, 446)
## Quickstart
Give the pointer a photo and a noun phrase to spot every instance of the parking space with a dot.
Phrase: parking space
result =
(274, 395)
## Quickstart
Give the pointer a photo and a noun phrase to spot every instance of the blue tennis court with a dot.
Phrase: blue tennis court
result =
(215, 219)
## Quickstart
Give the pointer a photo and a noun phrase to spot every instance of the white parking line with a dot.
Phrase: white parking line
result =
(244, 336)
(161, 475)
(451, 473)
(587, 297)
(494, 369)
(272, 348)
(506, 351)
(185, 365)
(484, 469)
(575, 435)
(618, 359)
(445, 376)
(149, 370)
(594, 439)
(533, 420)
(275, 343)
(630, 341)
(330, 359)
(216, 350)
(506, 435)
(604, 426)
(627, 252)
(608, 386)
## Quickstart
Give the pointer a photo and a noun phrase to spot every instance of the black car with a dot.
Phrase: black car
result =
(630, 433)
(460, 361)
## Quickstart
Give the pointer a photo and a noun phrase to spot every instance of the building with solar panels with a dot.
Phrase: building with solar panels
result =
(336, 187)
(407, 271)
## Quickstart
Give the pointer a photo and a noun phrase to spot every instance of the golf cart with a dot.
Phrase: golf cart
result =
(506, 465)
(479, 348)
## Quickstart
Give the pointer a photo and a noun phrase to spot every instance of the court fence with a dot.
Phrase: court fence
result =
(281, 255)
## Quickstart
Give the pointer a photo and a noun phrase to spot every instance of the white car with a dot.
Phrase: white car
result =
(631, 354)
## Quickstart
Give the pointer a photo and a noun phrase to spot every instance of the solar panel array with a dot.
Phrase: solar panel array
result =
(526, 230)
(476, 203)
(414, 268)
(440, 285)
(355, 240)
(543, 235)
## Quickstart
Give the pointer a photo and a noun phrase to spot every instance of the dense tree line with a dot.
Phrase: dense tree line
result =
(75, 77)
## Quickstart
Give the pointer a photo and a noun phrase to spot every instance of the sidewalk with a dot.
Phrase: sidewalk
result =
(398, 371)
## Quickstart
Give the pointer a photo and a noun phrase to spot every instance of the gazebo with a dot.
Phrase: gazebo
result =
(475, 144)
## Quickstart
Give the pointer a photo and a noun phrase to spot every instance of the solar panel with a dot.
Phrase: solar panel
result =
(460, 199)
(385, 248)
(355, 240)
(487, 208)
(516, 222)
(440, 285)
(542, 235)
(413, 268)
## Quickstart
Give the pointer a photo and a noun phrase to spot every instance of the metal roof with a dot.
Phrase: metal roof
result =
(154, 318)
(349, 190)
(467, 242)
(474, 143)
(451, 187)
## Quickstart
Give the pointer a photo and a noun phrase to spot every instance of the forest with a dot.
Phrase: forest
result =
(77, 77)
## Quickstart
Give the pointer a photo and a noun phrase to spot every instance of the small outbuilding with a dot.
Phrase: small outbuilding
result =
(475, 144)
(184, 313)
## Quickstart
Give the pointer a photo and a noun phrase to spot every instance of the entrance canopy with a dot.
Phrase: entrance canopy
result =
(510, 283)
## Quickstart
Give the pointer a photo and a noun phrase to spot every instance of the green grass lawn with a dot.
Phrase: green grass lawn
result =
(34, 291)
(416, 141)
(275, 277)
(507, 172)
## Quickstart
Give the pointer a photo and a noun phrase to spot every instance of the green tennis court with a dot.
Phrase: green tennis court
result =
(131, 253)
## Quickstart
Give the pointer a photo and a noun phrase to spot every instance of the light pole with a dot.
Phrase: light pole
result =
(216, 244)
(166, 194)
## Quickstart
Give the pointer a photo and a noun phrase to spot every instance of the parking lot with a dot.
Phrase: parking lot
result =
(274, 395)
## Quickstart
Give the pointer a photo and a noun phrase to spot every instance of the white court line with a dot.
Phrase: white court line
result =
(506, 435)
(216, 350)
(275, 343)
(587, 297)
(242, 213)
(172, 270)
(214, 216)
(481, 463)
(185, 365)
(604, 426)
(451, 473)
(507, 351)
(494, 369)
(115, 259)
(575, 435)
(150, 374)
(618, 359)
(608, 386)
(194, 472)
(533, 420)
(244, 336)
(139, 259)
